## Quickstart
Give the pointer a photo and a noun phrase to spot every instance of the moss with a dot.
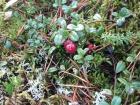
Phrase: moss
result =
(99, 79)
(10, 28)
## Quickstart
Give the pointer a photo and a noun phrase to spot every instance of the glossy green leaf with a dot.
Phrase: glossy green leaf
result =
(79, 27)
(88, 58)
(124, 12)
(75, 15)
(71, 26)
(63, 1)
(52, 69)
(130, 59)
(120, 66)
(78, 57)
(123, 81)
(61, 21)
(74, 36)
(136, 84)
(97, 17)
(58, 39)
(92, 30)
(8, 44)
(100, 30)
(51, 50)
(66, 9)
(74, 4)
(116, 100)
(114, 14)
(120, 21)
(81, 51)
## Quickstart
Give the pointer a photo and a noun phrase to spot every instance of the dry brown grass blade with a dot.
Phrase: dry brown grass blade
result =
(78, 78)
(21, 30)
(81, 5)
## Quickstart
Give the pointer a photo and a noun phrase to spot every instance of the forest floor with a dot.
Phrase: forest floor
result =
(69, 52)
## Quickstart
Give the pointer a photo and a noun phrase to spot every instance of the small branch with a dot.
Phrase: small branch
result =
(77, 77)
(75, 86)
(135, 103)
(49, 64)
(126, 99)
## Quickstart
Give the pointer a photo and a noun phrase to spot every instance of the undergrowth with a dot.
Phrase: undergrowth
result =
(69, 52)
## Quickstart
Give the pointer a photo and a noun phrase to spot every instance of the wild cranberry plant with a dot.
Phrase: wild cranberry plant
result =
(75, 52)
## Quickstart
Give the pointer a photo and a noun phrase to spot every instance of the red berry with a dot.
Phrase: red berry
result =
(70, 47)
(67, 42)
(91, 48)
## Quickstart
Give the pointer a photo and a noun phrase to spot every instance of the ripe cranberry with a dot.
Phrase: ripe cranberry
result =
(67, 42)
(70, 47)
(91, 48)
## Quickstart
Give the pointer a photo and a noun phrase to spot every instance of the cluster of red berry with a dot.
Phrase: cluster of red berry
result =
(71, 47)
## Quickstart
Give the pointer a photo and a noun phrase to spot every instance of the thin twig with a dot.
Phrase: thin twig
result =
(76, 86)
(77, 77)
(49, 64)
(135, 103)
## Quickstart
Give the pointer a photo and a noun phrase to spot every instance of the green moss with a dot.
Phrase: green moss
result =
(99, 79)
(10, 28)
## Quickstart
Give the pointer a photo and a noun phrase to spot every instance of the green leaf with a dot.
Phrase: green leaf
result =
(59, 3)
(79, 27)
(123, 81)
(77, 57)
(116, 100)
(74, 36)
(71, 26)
(136, 84)
(62, 67)
(61, 21)
(124, 12)
(120, 21)
(74, 4)
(75, 15)
(86, 50)
(91, 30)
(63, 1)
(37, 42)
(66, 9)
(120, 66)
(115, 14)
(81, 51)
(130, 59)
(100, 30)
(55, 5)
(80, 33)
(40, 25)
(97, 17)
(63, 32)
(58, 39)
(88, 58)
(52, 69)
(7, 44)
(51, 50)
